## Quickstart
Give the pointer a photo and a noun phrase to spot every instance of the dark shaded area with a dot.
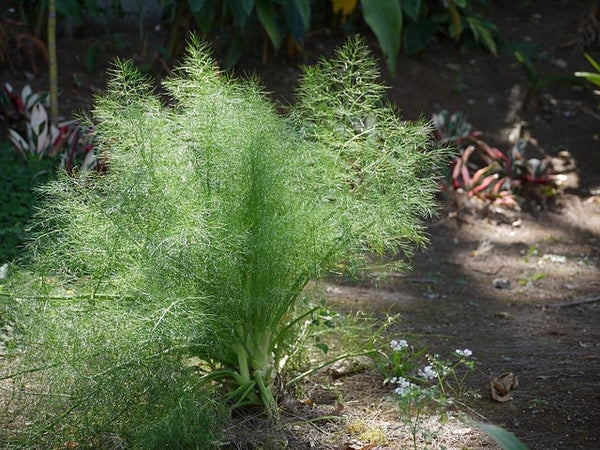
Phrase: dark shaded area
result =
(18, 181)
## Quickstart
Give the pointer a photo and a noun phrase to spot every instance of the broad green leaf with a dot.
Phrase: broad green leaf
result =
(459, 3)
(195, 5)
(205, 15)
(238, 12)
(385, 19)
(234, 53)
(266, 15)
(412, 8)
(417, 36)
(297, 15)
(503, 438)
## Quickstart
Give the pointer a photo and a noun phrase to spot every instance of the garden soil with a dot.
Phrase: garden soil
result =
(509, 285)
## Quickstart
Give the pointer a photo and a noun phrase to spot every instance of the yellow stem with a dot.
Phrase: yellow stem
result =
(53, 75)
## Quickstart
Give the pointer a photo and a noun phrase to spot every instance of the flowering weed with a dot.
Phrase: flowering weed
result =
(422, 383)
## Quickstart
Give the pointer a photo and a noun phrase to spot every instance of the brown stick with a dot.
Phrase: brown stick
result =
(574, 303)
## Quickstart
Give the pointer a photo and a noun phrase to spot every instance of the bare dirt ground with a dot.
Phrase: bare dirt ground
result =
(549, 258)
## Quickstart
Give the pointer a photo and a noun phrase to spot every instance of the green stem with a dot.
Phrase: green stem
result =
(242, 356)
(266, 395)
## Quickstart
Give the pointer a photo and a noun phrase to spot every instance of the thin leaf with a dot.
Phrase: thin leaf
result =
(591, 60)
(483, 29)
(385, 19)
(590, 76)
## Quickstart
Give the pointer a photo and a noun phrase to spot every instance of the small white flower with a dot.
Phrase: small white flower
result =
(404, 386)
(428, 372)
(397, 346)
(466, 352)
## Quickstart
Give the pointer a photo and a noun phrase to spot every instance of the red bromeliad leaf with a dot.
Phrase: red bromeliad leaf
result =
(498, 185)
(466, 177)
(484, 184)
(455, 173)
(480, 173)
(467, 153)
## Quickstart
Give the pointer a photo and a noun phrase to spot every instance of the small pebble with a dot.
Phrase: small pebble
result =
(501, 283)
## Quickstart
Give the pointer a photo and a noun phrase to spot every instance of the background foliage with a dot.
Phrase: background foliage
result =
(406, 24)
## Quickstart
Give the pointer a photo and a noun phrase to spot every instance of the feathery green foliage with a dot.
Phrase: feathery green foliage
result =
(188, 260)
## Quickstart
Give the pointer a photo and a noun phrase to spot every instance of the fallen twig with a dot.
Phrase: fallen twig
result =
(574, 303)
(495, 272)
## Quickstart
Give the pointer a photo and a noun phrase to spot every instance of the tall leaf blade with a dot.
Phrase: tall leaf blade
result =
(297, 13)
(592, 61)
(385, 19)
(266, 15)
(505, 439)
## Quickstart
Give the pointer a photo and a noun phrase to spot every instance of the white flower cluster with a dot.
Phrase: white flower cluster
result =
(428, 372)
(404, 386)
(466, 352)
(397, 346)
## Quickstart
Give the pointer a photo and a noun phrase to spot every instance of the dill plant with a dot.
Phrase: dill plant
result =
(184, 268)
